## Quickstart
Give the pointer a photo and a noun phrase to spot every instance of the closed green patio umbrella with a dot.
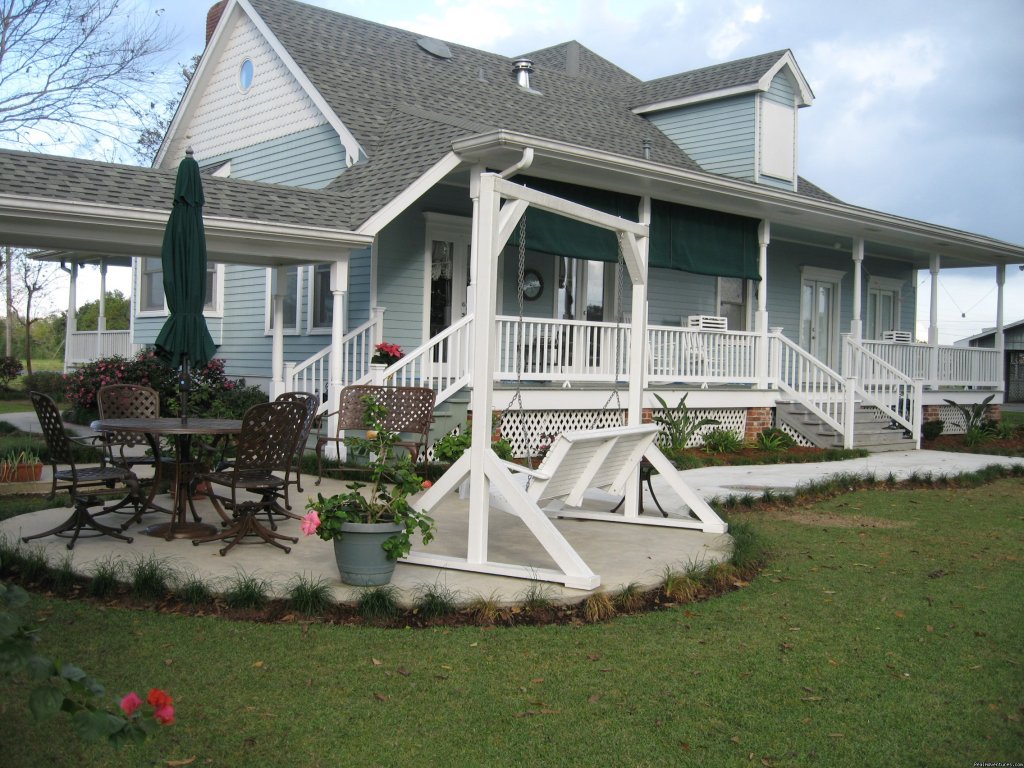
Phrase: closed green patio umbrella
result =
(185, 340)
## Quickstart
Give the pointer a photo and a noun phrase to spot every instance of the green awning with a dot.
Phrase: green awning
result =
(550, 233)
(683, 237)
(702, 241)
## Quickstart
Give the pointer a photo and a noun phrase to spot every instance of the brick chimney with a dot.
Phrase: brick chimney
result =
(213, 18)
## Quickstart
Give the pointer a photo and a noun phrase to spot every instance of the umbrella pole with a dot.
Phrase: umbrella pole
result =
(184, 385)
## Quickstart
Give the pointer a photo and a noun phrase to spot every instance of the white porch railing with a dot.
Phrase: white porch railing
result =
(880, 384)
(956, 366)
(314, 373)
(443, 363)
(86, 346)
(813, 384)
(699, 356)
(561, 350)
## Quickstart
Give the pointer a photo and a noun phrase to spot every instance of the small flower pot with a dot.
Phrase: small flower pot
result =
(361, 559)
(26, 473)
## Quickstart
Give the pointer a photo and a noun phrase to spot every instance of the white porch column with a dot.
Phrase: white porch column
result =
(474, 250)
(378, 324)
(638, 353)
(101, 317)
(1000, 341)
(764, 237)
(857, 325)
(482, 398)
(71, 323)
(933, 324)
(277, 328)
(339, 291)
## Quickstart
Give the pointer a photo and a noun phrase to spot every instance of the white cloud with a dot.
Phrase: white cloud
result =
(735, 31)
(883, 68)
(480, 25)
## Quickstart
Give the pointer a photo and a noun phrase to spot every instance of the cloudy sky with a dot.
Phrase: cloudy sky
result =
(918, 108)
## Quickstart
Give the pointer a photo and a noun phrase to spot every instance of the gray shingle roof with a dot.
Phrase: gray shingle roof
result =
(405, 107)
(30, 174)
(399, 81)
(578, 60)
(731, 74)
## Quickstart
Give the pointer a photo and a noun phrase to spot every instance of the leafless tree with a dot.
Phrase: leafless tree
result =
(71, 70)
(32, 283)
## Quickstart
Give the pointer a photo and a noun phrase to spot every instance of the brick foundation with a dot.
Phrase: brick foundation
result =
(930, 413)
(757, 420)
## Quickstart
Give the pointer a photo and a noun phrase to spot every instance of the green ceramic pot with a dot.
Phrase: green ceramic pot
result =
(361, 559)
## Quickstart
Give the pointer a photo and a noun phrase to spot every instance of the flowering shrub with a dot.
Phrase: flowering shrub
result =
(212, 394)
(386, 354)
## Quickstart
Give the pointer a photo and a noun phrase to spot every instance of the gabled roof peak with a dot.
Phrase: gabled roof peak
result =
(576, 60)
(750, 74)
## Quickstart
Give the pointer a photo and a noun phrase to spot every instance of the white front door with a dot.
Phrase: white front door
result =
(818, 318)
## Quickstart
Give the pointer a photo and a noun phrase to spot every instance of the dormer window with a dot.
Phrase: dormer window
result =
(778, 140)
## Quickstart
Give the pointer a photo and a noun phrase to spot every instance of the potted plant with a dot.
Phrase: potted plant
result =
(386, 354)
(371, 525)
(21, 467)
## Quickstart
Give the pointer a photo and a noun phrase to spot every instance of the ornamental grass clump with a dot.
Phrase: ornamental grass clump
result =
(384, 499)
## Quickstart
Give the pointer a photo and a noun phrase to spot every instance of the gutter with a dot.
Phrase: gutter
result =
(774, 202)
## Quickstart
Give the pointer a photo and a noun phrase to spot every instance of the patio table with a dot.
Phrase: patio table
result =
(184, 464)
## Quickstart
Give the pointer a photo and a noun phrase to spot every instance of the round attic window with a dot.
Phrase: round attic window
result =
(246, 73)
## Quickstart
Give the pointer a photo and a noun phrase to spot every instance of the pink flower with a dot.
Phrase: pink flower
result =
(130, 703)
(158, 698)
(426, 484)
(310, 523)
(164, 715)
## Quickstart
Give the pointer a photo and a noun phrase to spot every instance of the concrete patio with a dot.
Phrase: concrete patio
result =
(621, 554)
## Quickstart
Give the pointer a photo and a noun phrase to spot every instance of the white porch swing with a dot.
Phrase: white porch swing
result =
(605, 459)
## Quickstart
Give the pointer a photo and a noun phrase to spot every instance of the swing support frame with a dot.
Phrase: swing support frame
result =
(495, 224)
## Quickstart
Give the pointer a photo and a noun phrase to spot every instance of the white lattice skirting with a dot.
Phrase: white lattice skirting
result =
(536, 428)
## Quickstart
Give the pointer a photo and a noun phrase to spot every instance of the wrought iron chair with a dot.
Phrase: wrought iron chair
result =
(265, 444)
(132, 401)
(410, 411)
(293, 473)
(74, 479)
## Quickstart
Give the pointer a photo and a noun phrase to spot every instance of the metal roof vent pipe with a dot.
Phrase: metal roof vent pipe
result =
(522, 68)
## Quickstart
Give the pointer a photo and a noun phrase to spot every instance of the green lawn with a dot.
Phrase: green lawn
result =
(1013, 417)
(885, 632)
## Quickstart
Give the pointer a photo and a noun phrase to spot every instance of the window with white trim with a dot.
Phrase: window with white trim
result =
(151, 287)
(883, 306)
(321, 309)
(292, 300)
(733, 294)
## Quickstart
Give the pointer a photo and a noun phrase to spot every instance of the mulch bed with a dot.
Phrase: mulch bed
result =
(996, 447)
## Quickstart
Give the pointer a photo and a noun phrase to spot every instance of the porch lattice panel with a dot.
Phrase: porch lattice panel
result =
(732, 419)
(800, 439)
(521, 428)
(952, 420)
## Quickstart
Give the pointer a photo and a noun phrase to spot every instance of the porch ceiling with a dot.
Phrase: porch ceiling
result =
(793, 216)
